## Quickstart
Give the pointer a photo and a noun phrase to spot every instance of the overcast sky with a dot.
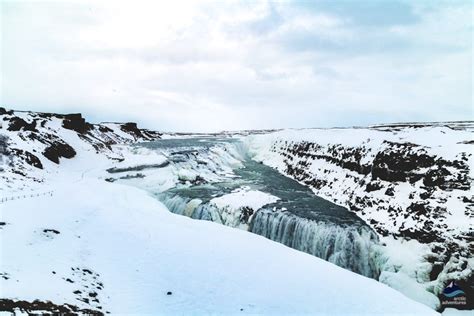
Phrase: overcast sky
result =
(209, 66)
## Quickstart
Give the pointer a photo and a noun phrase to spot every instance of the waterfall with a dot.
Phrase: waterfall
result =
(350, 247)
(193, 208)
(176, 204)
(346, 243)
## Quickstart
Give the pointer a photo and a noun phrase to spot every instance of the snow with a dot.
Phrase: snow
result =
(139, 251)
(115, 127)
(211, 164)
(186, 175)
(432, 138)
(456, 312)
(409, 287)
(137, 156)
(404, 256)
(244, 197)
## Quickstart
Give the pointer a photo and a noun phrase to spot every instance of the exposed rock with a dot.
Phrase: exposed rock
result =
(4, 111)
(105, 129)
(245, 214)
(17, 123)
(57, 150)
(132, 129)
(436, 269)
(76, 123)
(138, 168)
(373, 186)
(28, 157)
(422, 236)
(38, 307)
(49, 230)
(390, 191)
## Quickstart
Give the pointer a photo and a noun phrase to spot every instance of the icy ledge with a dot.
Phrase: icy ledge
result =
(108, 247)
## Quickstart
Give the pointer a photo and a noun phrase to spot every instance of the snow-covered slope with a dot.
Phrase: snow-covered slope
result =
(412, 183)
(112, 248)
(33, 144)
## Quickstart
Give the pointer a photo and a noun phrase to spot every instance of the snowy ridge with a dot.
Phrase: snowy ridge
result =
(33, 144)
(405, 181)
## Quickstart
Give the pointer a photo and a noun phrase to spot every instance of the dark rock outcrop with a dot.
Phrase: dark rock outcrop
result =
(28, 157)
(17, 123)
(373, 186)
(76, 123)
(38, 307)
(139, 167)
(393, 163)
(58, 149)
(132, 129)
(4, 111)
(246, 214)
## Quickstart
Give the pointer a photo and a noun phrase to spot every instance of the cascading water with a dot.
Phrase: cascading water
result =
(299, 219)
(193, 208)
(349, 247)
(353, 247)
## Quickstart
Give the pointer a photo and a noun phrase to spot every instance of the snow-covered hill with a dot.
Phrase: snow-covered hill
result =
(407, 181)
(33, 144)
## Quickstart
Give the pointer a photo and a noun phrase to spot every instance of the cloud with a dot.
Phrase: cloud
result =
(212, 66)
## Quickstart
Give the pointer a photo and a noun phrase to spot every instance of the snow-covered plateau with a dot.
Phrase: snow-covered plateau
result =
(87, 223)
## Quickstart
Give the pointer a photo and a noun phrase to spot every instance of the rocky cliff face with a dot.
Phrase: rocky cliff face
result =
(406, 181)
(29, 140)
(394, 164)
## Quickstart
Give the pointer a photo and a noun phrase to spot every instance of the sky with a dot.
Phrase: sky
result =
(215, 65)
